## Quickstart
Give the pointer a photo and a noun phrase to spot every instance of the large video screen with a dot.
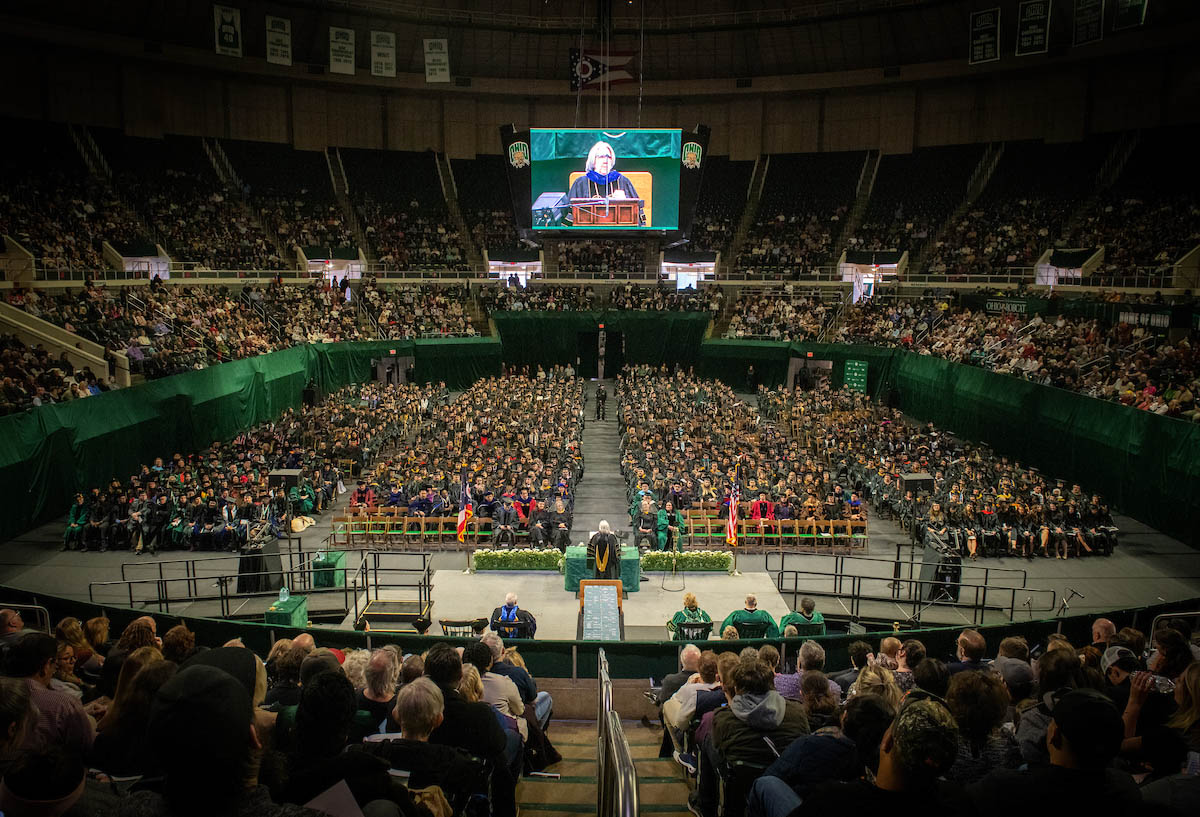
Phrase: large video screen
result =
(589, 179)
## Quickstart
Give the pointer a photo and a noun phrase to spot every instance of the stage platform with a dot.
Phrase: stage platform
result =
(1148, 567)
(458, 595)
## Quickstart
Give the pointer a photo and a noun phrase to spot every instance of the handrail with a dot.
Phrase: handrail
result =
(840, 560)
(914, 596)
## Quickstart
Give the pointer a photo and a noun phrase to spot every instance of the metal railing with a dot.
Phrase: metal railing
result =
(207, 579)
(617, 793)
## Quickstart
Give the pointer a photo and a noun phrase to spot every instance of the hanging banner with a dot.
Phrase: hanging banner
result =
(1033, 27)
(341, 50)
(383, 54)
(437, 60)
(279, 40)
(985, 36)
(1089, 22)
(1130, 14)
(227, 31)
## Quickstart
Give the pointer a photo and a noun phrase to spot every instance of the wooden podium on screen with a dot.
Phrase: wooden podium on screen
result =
(606, 212)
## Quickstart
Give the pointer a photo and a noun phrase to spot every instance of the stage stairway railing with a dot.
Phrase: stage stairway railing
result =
(617, 793)
(849, 565)
(909, 596)
(366, 574)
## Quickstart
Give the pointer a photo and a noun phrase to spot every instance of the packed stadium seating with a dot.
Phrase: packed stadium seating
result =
(399, 200)
(802, 211)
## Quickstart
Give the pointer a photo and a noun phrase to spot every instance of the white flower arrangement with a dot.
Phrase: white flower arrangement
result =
(518, 559)
(688, 560)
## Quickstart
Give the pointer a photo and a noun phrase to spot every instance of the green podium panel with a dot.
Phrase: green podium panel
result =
(328, 571)
(290, 613)
(576, 566)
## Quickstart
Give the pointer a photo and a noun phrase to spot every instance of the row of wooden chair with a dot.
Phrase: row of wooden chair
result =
(398, 530)
(799, 534)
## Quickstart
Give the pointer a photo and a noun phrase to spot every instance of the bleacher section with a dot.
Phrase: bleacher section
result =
(913, 195)
(52, 205)
(804, 201)
(483, 197)
(722, 200)
(398, 196)
(1027, 202)
(292, 193)
(172, 184)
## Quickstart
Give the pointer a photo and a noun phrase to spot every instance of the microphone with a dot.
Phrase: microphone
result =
(1077, 593)
(1028, 601)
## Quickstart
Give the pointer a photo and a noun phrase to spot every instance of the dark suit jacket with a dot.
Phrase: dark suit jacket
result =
(498, 626)
(470, 726)
(524, 681)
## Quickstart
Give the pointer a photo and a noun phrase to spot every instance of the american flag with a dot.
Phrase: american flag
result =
(465, 510)
(731, 525)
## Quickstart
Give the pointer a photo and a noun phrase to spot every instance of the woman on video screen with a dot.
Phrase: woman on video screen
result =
(601, 181)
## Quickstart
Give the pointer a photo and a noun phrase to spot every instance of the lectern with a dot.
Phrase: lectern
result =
(606, 212)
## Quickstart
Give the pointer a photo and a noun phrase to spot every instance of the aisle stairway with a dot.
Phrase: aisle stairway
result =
(601, 495)
(660, 782)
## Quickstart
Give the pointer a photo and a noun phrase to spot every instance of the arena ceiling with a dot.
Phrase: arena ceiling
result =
(531, 39)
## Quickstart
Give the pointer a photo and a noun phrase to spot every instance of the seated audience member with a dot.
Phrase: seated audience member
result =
(285, 672)
(473, 727)
(932, 676)
(689, 661)
(806, 615)
(812, 659)
(753, 616)
(845, 751)
(508, 613)
(542, 703)
(1102, 631)
(820, 704)
(678, 710)
(378, 697)
(12, 628)
(860, 656)
(61, 719)
(971, 652)
(48, 781)
(877, 679)
(690, 614)
(1186, 720)
(979, 703)
(911, 653)
(418, 710)
(120, 746)
(889, 653)
(201, 732)
(755, 711)
(499, 692)
(179, 644)
(917, 748)
(1058, 672)
(323, 721)
(1082, 738)
(17, 716)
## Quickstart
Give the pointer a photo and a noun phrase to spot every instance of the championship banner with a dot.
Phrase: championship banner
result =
(383, 54)
(1033, 27)
(279, 40)
(1129, 14)
(985, 36)
(592, 69)
(1088, 25)
(437, 60)
(518, 166)
(341, 50)
(227, 31)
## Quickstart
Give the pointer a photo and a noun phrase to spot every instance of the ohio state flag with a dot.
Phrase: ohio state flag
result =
(591, 69)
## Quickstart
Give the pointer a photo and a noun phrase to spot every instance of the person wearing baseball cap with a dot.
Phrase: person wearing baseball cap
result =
(1084, 736)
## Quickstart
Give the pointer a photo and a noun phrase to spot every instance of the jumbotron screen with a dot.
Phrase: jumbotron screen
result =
(589, 179)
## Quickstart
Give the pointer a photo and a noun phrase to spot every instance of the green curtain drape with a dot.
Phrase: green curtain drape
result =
(551, 338)
(48, 453)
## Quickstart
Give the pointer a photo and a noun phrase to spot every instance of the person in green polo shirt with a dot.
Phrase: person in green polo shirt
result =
(751, 615)
(807, 614)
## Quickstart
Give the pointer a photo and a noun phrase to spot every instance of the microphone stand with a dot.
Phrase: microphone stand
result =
(1065, 607)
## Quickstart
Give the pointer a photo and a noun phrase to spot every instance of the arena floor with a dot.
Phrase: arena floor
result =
(1147, 567)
